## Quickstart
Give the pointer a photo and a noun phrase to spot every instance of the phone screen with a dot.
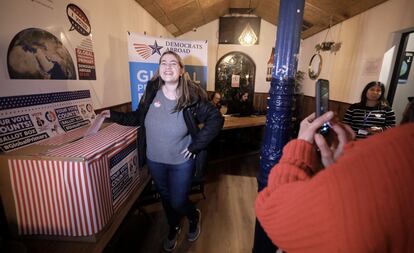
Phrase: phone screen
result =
(322, 101)
(324, 98)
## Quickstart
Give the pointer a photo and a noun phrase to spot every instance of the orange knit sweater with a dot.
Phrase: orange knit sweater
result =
(362, 203)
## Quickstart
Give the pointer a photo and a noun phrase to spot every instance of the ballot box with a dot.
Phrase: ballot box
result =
(68, 185)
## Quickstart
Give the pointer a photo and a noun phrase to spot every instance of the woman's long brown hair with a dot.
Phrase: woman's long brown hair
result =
(187, 90)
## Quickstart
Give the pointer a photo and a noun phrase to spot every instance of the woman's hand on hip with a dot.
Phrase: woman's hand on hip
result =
(188, 154)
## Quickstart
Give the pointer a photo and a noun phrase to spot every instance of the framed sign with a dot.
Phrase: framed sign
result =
(405, 67)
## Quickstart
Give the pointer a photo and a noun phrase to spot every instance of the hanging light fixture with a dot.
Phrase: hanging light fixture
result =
(328, 45)
(248, 37)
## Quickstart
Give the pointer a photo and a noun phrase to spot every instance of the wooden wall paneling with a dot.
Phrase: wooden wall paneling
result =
(260, 102)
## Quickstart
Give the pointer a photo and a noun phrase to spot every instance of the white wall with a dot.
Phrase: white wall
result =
(365, 39)
(260, 54)
(110, 21)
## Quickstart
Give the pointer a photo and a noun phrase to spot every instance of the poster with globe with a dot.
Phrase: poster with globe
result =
(61, 51)
(47, 50)
(37, 54)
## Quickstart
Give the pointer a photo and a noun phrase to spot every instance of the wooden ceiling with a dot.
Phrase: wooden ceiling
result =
(181, 16)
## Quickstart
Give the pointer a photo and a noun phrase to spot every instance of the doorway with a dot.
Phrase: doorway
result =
(402, 80)
(235, 72)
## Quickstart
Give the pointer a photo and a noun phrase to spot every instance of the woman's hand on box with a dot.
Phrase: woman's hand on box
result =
(106, 114)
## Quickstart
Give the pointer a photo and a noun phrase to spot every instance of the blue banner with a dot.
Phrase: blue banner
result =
(145, 51)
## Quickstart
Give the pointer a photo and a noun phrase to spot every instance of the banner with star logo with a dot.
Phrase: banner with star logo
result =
(144, 53)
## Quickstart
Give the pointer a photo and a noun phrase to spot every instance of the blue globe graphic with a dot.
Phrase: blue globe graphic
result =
(37, 54)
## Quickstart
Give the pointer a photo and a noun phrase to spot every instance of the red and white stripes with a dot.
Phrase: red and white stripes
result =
(108, 137)
(65, 137)
(59, 195)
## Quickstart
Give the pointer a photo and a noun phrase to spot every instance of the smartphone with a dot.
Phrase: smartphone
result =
(322, 101)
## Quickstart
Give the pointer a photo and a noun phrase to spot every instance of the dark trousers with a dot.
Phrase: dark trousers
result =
(173, 182)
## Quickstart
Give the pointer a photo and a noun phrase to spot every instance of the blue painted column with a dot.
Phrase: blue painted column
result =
(278, 119)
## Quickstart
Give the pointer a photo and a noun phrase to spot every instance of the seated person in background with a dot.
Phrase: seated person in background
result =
(215, 99)
(372, 114)
(362, 201)
(408, 115)
(241, 105)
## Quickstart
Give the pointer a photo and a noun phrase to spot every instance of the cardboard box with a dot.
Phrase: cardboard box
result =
(70, 186)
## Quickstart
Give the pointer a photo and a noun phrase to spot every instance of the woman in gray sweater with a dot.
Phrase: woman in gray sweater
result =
(170, 141)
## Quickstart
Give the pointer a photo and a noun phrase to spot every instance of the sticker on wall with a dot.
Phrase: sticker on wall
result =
(235, 81)
(270, 66)
(28, 119)
(405, 67)
(37, 54)
(85, 58)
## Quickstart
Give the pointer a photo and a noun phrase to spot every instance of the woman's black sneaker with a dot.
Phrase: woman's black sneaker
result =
(194, 227)
(170, 243)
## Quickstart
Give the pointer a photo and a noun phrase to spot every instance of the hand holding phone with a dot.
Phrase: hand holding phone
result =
(322, 101)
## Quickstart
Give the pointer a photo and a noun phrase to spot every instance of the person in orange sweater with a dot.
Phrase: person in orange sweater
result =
(362, 201)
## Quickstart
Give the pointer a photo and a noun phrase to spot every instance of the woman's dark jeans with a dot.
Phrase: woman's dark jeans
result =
(173, 182)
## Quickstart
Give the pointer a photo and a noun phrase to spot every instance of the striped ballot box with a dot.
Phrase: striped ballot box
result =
(70, 185)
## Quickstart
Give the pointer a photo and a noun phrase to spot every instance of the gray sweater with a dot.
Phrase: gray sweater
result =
(166, 132)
